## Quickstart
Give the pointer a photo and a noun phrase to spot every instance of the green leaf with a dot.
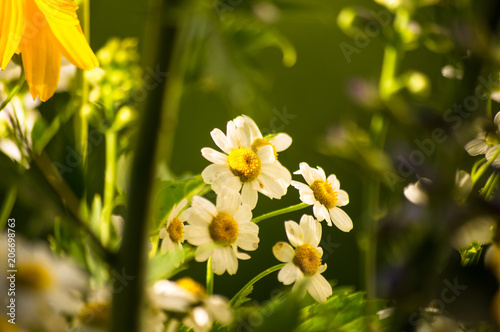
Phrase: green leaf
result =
(345, 310)
(243, 298)
(172, 192)
(166, 265)
(471, 254)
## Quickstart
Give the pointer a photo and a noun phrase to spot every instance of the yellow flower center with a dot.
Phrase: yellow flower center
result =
(33, 276)
(245, 164)
(223, 229)
(324, 193)
(175, 230)
(492, 138)
(261, 142)
(95, 314)
(192, 286)
(307, 259)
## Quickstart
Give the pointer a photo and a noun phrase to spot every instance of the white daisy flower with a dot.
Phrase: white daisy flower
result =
(325, 195)
(486, 142)
(248, 162)
(187, 300)
(47, 288)
(218, 230)
(172, 233)
(303, 262)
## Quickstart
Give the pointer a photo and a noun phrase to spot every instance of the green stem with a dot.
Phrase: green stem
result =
(132, 256)
(210, 277)
(261, 275)
(280, 212)
(84, 127)
(484, 167)
(69, 199)
(8, 204)
(476, 165)
(490, 185)
(14, 91)
(109, 185)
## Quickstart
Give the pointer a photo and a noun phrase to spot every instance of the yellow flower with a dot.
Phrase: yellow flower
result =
(42, 31)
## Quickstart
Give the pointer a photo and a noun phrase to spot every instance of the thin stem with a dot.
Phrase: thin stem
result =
(210, 277)
(490, 185)
(280, 212)
(254, 280)
(484, 167)
(476, 165)
(132, 255)
(8, 204)
(109, 185)
(14, 91)
(69, 199)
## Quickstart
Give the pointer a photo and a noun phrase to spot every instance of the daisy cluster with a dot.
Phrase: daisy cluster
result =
(223, 231)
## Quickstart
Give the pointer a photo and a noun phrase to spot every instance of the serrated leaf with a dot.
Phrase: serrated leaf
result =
(243, 298)
(471, 254)
(165, 265)
(172, 192)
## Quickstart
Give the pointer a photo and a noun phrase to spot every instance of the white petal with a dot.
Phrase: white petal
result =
(252, 127)
(249, 195)
(218, 308)
(341, 219)
(248, 242)
(266, 155)
(496, 120)
(270, 187)
(163, 233)
(239, 254)
(281, 142)
(318, 174)
(300, 186)
(275, 170)
(228, 201)
(415, 194)
(204, 208)
(248, 228)
(288, 274)
(294, 233)
(201, 317)
(491, 152)
(318, 211)
(243, 214)
(226, 180)
(244, 134)
(342, 198)
(334, 182)
(203, 252)
(307, 197)
(476, 147)
(214, 156)
(223, 259)
(193, 218)
(311, 230)
(232, 135)
(321, 173)
(177, 208)
(221, 140)
(307, 173)
(283, 252)
(319, 288)
(214, 171)
(197, 236)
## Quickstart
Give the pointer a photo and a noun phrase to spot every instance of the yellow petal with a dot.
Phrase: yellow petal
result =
(41, 56)
(62, 18)
(11, 29)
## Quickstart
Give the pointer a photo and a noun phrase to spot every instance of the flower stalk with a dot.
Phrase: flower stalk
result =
(279, 212)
